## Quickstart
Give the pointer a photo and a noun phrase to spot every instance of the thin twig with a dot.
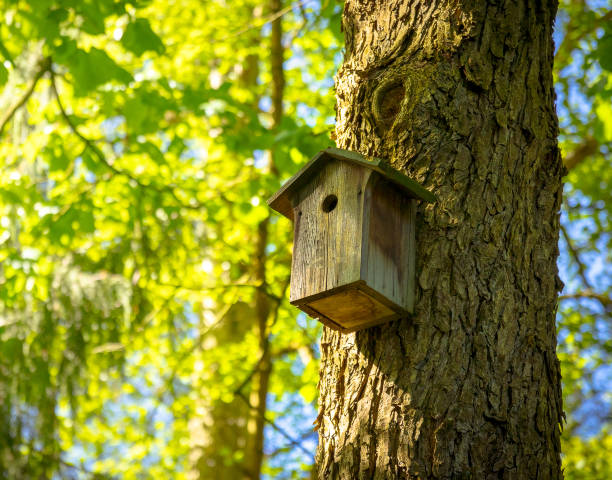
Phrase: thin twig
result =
(575, 254)
(570, 41)
(248, 378)
(279, 450)
(582, 151)
(279, 300)
(280, 430)
(202, 288)
(58, 458)
(606, 302)
(302, 26)
(267, 19)
(45, 66)
(238, 390)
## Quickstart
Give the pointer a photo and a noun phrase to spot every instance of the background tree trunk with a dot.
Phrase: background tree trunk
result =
(458, 95)
(261, 379)
(219, 435)
(239, 426)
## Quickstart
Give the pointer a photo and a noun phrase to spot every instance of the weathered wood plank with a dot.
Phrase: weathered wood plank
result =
(388, 251)
(351, 308)
(327, 245)
(354, 241)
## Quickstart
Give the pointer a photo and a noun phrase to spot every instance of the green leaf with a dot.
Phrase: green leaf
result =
(58, 15)
(54, 154)
(44, 23)
(3, 74)
(139, 38)
(335, 25)
(92, 163)
(144, 111)
(94, 68)
(604, 52)
(603, 128)
(5, 53)
(93, 18)
(12, 349)
(9, 195)
(309, 392)
(58, 162)
(74, 221)
(153, 152)
(177, 146)
(86, 221)
(40, 378)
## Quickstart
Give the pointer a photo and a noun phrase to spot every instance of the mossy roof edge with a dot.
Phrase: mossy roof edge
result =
(281, 202)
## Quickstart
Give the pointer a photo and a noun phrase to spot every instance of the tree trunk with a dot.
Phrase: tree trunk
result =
(219, 436)
(458, 95)
(238, 427)
(261, 379)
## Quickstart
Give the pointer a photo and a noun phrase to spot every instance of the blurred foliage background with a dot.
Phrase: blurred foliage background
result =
(144, 325)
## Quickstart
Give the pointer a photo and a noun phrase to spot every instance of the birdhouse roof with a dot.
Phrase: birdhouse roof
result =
(281, 201)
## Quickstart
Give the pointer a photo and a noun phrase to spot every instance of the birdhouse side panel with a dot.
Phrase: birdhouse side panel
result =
(328, 214)
(388, 260)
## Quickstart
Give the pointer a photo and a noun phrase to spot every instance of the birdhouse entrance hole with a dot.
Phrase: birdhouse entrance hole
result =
(329, 203)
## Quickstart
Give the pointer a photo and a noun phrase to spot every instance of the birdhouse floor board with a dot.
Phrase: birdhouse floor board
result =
(350, 308)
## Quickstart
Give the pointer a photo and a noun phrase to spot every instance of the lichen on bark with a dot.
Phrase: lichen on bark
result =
(459, 96)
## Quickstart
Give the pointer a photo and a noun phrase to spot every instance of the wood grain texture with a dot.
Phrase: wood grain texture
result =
(352, 226)
(350, 308)
(469, 386)
(388, 250)
(327, 245)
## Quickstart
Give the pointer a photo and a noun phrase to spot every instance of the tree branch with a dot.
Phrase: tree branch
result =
(247, 379)
(605, 301)
(268, 19)
(280, 430)
(582, 151)
(574, 253)
(197, 288)
(283, 449)
(58, 458)
(44, 67)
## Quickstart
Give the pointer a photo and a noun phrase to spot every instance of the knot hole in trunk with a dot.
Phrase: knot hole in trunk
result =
(387, 102)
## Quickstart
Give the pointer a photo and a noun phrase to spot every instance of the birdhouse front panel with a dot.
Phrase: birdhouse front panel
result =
(328, 230)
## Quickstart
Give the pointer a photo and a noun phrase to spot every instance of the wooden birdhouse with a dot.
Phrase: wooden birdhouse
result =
(354, 239)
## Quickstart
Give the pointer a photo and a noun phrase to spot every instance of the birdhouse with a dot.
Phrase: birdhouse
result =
(354, 239)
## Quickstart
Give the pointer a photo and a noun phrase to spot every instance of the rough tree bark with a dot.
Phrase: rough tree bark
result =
(458, 95)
